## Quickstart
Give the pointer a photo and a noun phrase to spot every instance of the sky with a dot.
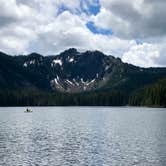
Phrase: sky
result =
(134, 30)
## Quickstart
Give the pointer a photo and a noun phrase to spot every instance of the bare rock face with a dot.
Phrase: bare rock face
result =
(79, 72)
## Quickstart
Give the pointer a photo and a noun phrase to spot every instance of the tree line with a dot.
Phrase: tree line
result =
(152, 95)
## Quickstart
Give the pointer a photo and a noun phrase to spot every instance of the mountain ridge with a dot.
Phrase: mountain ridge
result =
(74, 72)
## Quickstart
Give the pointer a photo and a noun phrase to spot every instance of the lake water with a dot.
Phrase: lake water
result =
(83, 136)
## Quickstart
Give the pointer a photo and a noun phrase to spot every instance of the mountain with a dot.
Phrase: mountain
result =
(73, 72)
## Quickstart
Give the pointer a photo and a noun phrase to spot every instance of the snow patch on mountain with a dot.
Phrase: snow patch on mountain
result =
(25, 64)
(71, 60)
(92, 81)
(58, 61)
(32, 62)
(69, 82)
(107, 67)
(76, 82)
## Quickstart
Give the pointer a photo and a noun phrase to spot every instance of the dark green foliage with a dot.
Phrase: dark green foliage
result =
(39, 98)
(152, 95)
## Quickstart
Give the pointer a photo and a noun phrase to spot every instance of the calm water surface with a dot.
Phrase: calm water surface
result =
(83, 136)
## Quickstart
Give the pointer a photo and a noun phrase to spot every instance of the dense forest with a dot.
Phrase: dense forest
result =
(151, 95)
(39, 98)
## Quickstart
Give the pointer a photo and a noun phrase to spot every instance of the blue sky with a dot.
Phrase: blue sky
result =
(90, 9)
(85, 6)
(136, 35)
(96, 30)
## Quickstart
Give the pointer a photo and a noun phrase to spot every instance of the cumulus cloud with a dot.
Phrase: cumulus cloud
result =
(140, 18)
(40, 29)
(49, 27)
(141, 55)
(69, 30)
(146, 55)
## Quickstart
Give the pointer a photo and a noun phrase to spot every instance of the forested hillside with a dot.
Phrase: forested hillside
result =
(72, 78)
(152, 95)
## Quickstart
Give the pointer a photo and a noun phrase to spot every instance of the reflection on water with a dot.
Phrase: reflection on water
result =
(83, 136)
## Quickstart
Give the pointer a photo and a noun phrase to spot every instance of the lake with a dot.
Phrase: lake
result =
(83, 136)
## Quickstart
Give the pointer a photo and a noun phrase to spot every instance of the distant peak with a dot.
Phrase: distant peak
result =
(94, 51)
(70, 51)
(2, 53)
(34, 54)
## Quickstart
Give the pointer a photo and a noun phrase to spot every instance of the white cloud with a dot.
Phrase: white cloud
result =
(35, 25)
(144, 55)
(42, 31)
(138, 18)
(112, 22)
(69, 30)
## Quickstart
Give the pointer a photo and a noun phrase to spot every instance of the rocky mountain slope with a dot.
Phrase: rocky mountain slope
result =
(74, 72)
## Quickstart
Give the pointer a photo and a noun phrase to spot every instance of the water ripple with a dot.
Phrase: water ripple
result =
(58, 136)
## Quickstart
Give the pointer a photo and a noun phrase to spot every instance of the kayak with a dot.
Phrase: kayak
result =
(28, 111)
